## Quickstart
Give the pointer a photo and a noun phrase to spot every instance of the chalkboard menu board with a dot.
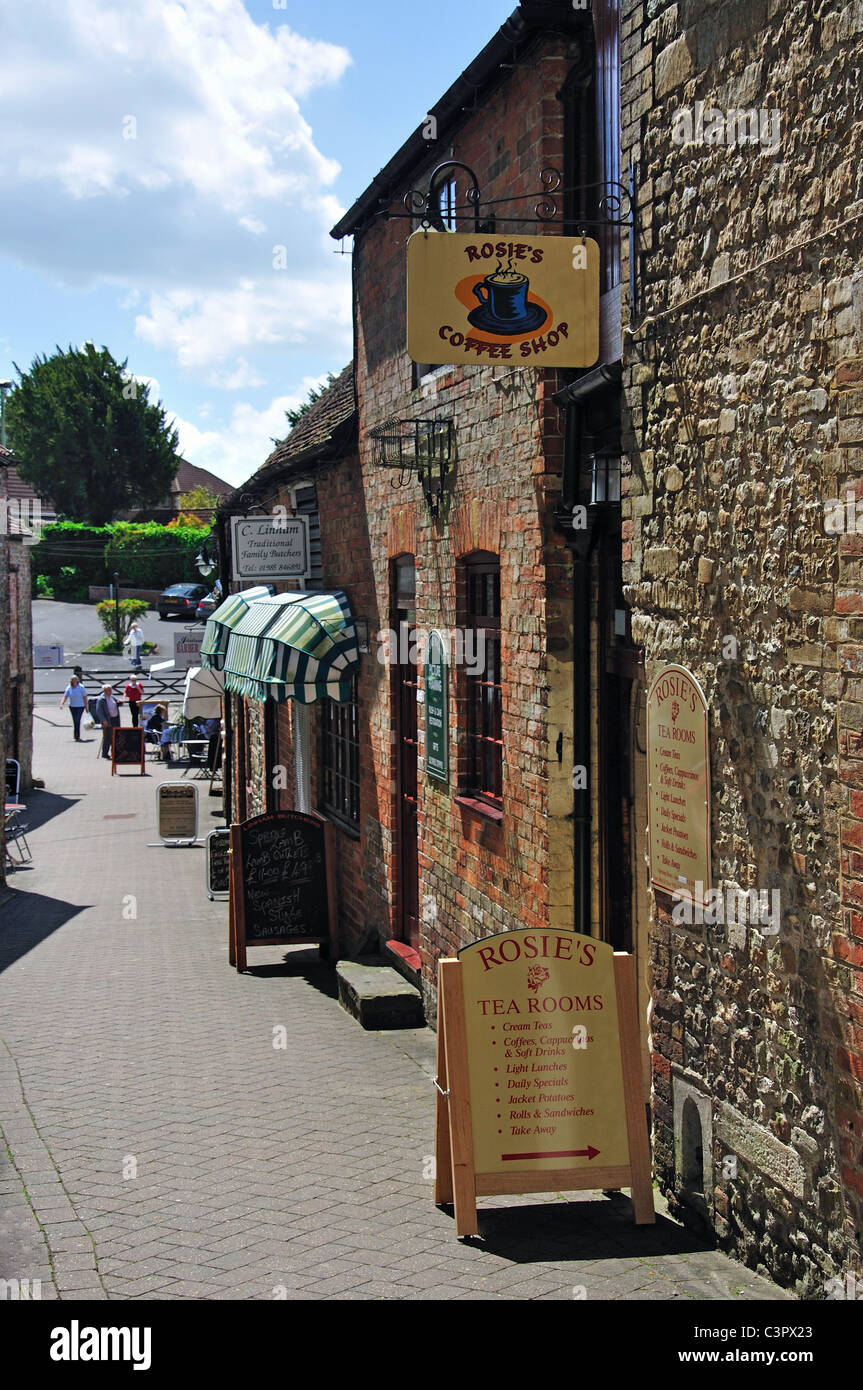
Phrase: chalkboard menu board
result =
(282, 882)
(437, 723)
(218, 863)
(127, 749)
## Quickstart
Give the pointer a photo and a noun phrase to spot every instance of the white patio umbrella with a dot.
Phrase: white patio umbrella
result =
(202, 697)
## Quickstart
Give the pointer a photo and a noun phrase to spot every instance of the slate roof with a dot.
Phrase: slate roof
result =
(328, 424)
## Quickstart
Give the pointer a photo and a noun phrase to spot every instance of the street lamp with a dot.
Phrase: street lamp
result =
(205, 563)
(4, 387)
(117, 610)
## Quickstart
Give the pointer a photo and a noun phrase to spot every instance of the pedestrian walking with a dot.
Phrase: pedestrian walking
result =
(134, 640)
(107, 714)
(134, 693)
(76, 696)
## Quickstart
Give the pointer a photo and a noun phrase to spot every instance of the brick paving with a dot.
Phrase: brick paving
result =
(156, 1145)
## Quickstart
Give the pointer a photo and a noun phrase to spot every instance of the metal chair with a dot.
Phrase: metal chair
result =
(15, 830)
(16, 833)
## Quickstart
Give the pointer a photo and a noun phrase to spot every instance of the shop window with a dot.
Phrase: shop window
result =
(483, 686)
(340, 759)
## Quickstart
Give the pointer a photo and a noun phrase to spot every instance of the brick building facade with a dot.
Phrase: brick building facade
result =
(708, 449)
(430, 864)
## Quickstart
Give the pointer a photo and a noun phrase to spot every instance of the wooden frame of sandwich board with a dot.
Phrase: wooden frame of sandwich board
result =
(238, 943)
(456, 1181)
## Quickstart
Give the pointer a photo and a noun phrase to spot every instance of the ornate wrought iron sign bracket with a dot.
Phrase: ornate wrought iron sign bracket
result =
(614, 205)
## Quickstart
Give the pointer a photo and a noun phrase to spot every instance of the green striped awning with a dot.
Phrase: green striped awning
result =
(220, 623)
(298, 646)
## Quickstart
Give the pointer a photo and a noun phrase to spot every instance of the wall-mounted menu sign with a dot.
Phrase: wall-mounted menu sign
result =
(532, 300)
(282, 883)
(437, 726)
(538, 1045)
(177, 812)
(678, 792)
(127, 749)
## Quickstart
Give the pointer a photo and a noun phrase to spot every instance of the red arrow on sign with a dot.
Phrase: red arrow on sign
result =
(589, 1152)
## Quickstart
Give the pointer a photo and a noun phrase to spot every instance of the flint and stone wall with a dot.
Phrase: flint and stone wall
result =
(744, 395)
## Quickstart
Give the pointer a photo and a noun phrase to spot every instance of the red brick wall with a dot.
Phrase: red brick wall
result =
(476, 876)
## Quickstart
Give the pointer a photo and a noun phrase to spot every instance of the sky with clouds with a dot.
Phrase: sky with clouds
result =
(170, 172)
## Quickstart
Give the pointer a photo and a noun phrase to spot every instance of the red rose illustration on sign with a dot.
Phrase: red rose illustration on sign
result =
(675, 710)
(536, 976)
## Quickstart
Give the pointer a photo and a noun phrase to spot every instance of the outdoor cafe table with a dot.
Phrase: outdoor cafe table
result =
(189, 744)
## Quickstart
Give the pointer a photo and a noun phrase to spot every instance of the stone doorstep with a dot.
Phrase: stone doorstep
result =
(377, 995)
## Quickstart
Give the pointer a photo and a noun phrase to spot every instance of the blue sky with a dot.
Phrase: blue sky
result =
(155, 154)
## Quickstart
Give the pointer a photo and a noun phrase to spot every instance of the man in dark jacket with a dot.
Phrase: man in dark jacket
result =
(107, 713)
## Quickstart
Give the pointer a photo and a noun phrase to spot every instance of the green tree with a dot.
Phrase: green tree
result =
(294, 416)
(196, 506)
(87, 436)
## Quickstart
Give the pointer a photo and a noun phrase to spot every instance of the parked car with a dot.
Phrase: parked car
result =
(180, 600)
(209, 604)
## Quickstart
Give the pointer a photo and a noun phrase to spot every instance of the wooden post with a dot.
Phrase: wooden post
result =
(458, 1085)
(630, 1058)
(235, 899)
(443, 1157)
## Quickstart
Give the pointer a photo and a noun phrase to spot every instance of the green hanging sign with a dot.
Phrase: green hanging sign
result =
(437, 723)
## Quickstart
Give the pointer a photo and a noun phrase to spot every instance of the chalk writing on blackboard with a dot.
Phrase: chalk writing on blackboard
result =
(281, 882)
(218, 863)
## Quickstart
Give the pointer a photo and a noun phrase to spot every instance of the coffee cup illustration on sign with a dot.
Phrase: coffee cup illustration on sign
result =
(504, 307)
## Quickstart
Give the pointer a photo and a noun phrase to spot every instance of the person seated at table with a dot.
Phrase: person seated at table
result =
(159, 731)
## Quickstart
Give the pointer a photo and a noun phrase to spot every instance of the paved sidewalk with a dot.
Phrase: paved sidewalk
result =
(158, 1145)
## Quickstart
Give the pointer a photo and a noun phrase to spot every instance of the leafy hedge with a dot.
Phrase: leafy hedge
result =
(151, 556)
(71, 556)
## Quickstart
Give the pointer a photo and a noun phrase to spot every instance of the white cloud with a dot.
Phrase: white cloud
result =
(202, 329)
(161, 147)
(239, 448)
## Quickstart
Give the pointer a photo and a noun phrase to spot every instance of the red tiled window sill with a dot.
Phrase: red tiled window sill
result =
(407, 953)
(482, 808)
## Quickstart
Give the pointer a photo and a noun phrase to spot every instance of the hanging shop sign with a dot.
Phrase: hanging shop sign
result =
(539, 1072)
(177, 813)
(437, 725)
(187, 648)
(270, 547)
(127, 749)
(282, 884)
(532, 300)
(678, 790)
